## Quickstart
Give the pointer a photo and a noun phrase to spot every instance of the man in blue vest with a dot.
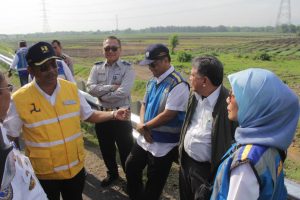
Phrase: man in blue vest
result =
(162, 114)
(20, 64)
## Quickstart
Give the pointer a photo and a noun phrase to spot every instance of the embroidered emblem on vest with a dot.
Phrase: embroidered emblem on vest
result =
(7, 193)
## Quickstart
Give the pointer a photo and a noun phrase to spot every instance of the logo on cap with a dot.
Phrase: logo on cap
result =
(147, 54)
(44, 49)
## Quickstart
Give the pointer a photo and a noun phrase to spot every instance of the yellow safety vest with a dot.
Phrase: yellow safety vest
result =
(52, 134)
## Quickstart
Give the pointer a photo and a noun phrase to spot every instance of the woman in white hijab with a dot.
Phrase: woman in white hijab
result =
(268, 113)
(17, 179)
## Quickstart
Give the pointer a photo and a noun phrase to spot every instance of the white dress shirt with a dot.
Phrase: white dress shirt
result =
(197, 141)
(177, 100)
(13, 122)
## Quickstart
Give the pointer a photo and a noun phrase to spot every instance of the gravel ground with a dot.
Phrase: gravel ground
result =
(96, 172)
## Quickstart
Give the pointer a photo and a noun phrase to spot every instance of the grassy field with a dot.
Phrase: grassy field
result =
(276, 52)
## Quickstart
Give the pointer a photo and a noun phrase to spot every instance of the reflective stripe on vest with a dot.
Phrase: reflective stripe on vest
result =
(168, 129)
(65, 167)
(51, 144)
(53, 120)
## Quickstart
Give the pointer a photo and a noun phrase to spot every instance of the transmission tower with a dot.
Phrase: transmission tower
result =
(117, 23)
(46, 27)
(284, 13)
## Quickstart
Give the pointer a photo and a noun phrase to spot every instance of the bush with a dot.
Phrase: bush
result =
(184, 56)
(263, 56)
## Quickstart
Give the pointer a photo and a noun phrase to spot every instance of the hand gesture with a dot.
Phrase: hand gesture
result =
(144, 131)
(122, 114)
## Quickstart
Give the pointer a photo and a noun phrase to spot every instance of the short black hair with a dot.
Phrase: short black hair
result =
(210, 67)
(22, 43)
(57, 42)
(111, 37)
(166, 56)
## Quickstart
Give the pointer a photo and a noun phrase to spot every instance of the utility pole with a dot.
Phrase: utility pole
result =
(284, 13)
(46, 27)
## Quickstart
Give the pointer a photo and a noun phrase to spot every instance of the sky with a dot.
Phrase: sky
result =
(27, 16)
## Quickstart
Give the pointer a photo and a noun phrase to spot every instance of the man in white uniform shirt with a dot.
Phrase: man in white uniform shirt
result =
(162, 114)
(207, 132)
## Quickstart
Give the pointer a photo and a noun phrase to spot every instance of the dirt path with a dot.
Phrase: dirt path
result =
(96, 172)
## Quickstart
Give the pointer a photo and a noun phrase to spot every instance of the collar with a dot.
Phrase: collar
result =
(164, 75)
(118, 63)
(212, 98)
(44, 93)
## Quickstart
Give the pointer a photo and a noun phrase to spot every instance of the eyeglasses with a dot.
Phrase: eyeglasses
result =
(112, 48)
(9, 87)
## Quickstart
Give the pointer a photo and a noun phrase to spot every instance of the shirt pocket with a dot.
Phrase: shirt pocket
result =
(208, 121)
(101, 77)
(41, 161)
(116, 79)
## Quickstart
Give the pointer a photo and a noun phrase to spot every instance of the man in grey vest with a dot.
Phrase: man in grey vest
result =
(207, 132)
(111, 81)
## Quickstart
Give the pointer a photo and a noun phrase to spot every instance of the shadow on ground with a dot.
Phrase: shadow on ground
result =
(93, 190)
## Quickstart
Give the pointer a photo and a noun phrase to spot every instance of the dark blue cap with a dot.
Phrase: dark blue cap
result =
(40, 53)
(154, 52)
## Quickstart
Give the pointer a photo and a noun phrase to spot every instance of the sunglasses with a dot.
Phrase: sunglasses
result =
(112, 48)
(47, 66)
(9, 87)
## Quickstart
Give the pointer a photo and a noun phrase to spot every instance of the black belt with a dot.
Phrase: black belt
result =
(190, 159)
(108, 109)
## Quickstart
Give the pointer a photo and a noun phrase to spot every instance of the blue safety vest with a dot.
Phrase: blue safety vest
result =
(156, 98)
(22, 63)
(266, 164)
(60, 69)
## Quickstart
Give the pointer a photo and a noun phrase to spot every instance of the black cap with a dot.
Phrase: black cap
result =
(40, 53)
(154, 52)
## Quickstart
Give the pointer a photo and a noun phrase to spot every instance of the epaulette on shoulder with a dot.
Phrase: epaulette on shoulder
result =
(99, 63)
(125, 62)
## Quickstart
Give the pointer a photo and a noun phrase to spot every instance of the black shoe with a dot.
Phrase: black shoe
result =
(109, 180)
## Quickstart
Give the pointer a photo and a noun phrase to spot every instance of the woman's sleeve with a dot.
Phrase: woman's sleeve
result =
(243, 184)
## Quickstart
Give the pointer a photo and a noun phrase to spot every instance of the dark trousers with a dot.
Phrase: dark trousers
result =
(109, 134)
(158, 169)
(192, 175)
(23, 80)
(70, 189)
